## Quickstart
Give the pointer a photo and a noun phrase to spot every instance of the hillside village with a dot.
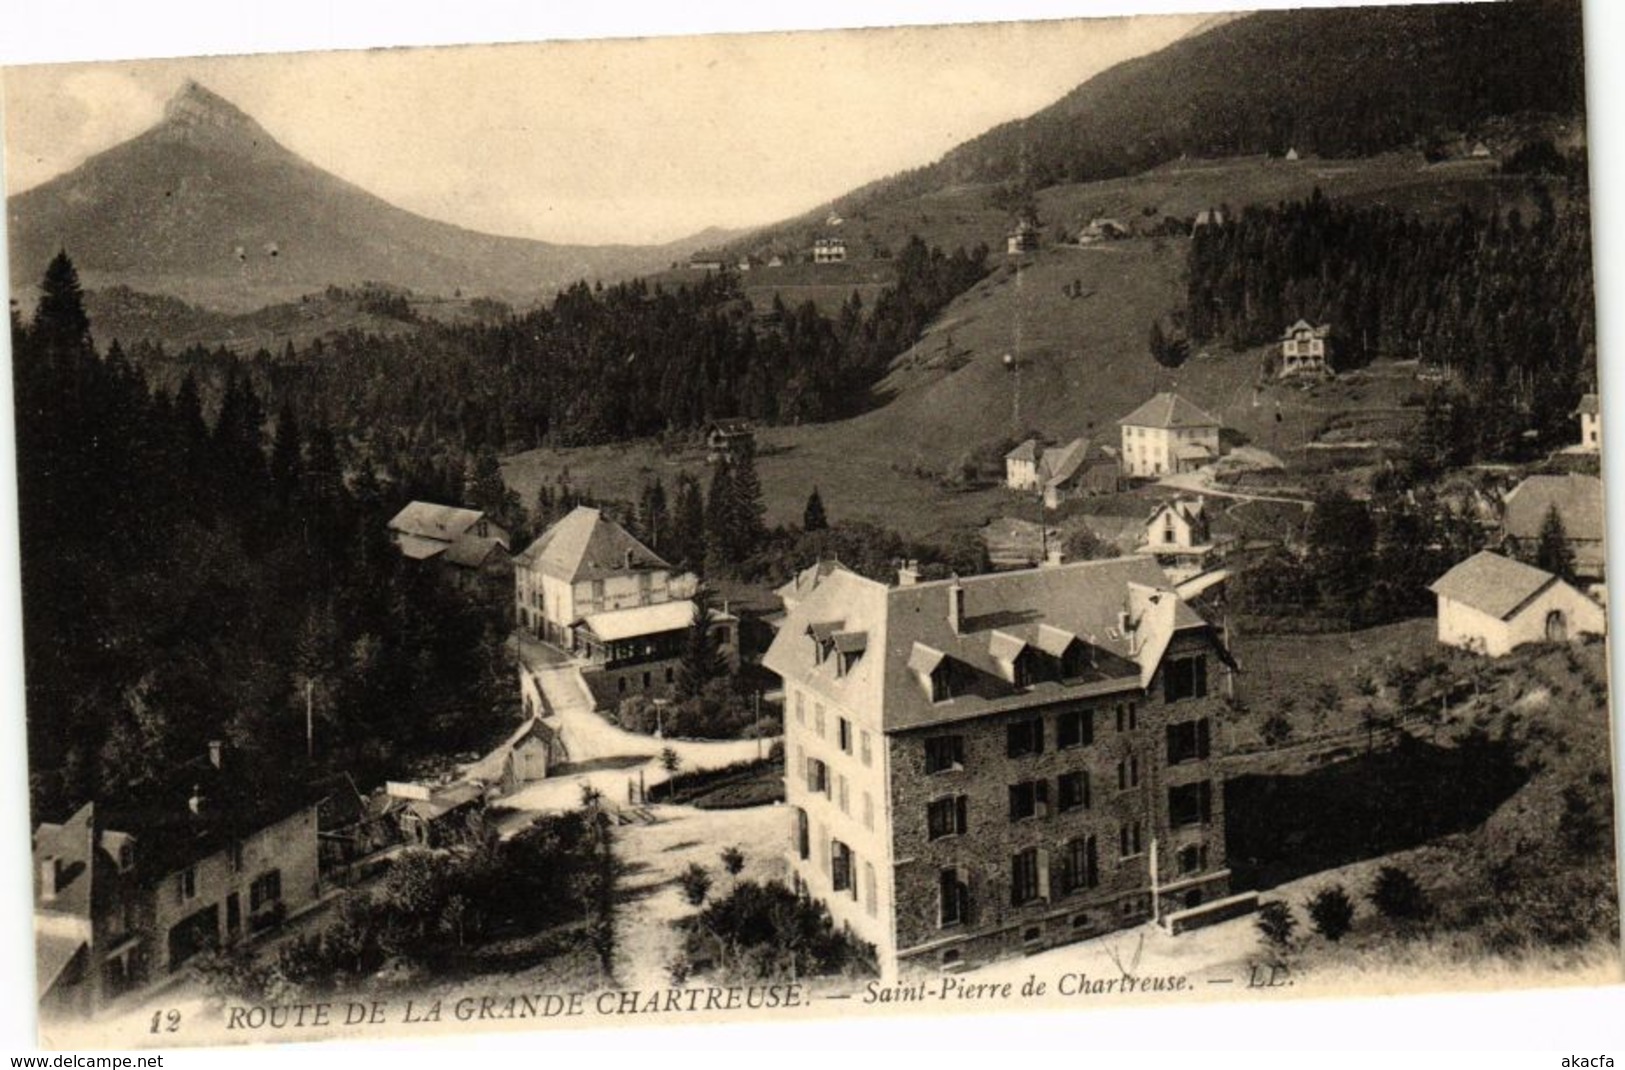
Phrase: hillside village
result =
(830, 606)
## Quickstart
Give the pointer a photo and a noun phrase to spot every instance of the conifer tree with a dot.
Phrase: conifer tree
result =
(812, 517)
(1552, 550)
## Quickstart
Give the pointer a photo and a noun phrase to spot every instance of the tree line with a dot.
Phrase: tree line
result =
(600, 364)
(191, 577)
(1500, 305)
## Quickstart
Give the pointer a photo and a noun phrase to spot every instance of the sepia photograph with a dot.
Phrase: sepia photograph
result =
(1062, 515)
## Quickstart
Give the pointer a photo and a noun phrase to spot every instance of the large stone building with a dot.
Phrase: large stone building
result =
(1168, 435)
(588, 587)
(993, 765)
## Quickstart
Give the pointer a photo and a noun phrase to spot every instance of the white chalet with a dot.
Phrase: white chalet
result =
(1303, 350)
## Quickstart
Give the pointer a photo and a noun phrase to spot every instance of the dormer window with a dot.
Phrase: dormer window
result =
(848, 647)
(932, 669)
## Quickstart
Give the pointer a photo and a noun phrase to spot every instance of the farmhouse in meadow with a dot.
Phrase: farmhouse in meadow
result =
(999, 764)
(1022, 239)
(1577, 500)
(1078, 469)
(829, 250)
(1491, 604)
(1168, 435)
(1590, 413)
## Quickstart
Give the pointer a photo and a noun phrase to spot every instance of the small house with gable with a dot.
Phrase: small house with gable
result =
(1493, 604)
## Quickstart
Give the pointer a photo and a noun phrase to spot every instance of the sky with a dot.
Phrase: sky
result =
(643, 140)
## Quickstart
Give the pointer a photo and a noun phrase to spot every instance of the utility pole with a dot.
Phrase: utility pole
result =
(756, 707)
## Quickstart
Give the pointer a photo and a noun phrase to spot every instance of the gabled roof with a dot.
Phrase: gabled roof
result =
(1169, 410)
(1589, 406)
(1060, 465)
(1305, 327)
(586, 546)
(1578, 499)
(1046, 609)
(441, 523)
(1492, 584)
(1027, 451)
(472, 551)
(807, 580)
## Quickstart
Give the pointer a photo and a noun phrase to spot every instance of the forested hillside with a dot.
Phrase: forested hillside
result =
(1339, 83)
(187, 580)
(1503, 303)
(603, 364)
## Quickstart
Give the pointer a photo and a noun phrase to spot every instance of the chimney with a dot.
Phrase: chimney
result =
(1054, 557)
(909, 574)
(216, 752)
(50, 873)
(956, 605)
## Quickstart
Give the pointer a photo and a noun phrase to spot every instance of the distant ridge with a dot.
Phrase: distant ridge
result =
(207, 206)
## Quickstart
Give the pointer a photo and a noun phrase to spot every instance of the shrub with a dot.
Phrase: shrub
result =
(1331, 912)
(1397, 896)
(1276, 924)
(764, 931)
(1276, 730)
(695, 883)
(733, 860)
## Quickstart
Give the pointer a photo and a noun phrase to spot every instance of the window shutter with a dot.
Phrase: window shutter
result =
(1041, 798)
(960, 806)
(1086, 800)
(1043, 874)
(1203, 741)
(1038, 736)
(1199, 670)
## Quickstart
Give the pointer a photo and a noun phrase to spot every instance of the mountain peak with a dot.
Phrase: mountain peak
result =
(196, 112)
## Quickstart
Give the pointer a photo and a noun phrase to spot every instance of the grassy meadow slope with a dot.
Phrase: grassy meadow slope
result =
(1080, 363)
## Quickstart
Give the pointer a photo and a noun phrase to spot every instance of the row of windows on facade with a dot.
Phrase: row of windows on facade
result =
(845, 732)
(1186, 740)
(1188, 804)
(265, 891)
(840, 864)
(837, 788)
(1039, 876)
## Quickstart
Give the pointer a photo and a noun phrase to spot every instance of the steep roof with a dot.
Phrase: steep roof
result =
(472, 551)
(807, 580)
(586, 546)
(1027, 451)
(1305, 327)
(442, 523)
(909, 634)
(1061, 464)
(1578, 499)
(1169, 410)
(1492, 584)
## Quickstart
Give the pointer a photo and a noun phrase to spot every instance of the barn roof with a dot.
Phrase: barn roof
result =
(1492, 584)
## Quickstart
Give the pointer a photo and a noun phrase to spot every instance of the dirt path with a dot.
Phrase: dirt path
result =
(650, 899)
